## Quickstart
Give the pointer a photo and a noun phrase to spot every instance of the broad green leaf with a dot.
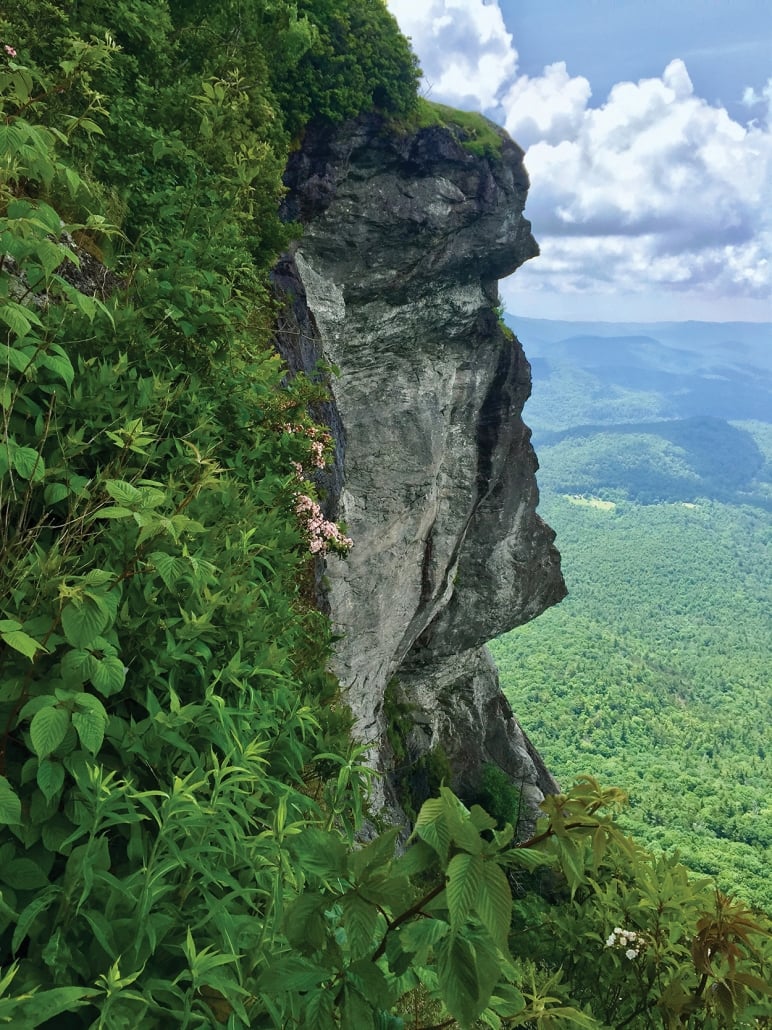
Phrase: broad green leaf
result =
(22, 642)
(23, 874)
(17, 358)
(372, 983)
(124, 493)
(61, 365)
(359, 921)
(47, 729)
(459, 979)
(77, 667)
(465, 877)
(506, 1000)
(419, 937)
(320, 853)
(357, 1012)
(304, 922)
(374, 856)
(10, 805)
(494, 903)
(169, 567)
(83, 623)
(56, 492)
(571, 854)
(90, 727)
(16, 317)
(50, 777)
(28, 463)
(99, 578)
(108, 675)
(293, 973)
(319, 1011)
(114, 511)
(431, 826)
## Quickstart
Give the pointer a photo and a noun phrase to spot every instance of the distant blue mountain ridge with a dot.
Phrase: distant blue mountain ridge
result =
(662, 411)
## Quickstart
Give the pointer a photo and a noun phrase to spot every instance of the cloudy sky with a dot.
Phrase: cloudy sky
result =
(647, 126)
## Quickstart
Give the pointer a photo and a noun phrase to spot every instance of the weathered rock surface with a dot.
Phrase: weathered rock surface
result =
(394, 282)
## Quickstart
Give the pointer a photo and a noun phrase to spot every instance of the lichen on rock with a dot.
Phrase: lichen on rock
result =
(394, 282)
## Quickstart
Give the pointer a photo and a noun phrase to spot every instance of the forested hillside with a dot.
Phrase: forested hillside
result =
(181, 806)
(654, 673)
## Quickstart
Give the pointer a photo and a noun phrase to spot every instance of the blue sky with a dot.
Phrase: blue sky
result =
(647, 126)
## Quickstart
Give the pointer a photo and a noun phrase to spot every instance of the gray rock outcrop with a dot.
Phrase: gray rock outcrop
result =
(394, 282)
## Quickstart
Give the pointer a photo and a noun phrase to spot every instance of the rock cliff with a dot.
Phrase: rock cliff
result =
(394, 282)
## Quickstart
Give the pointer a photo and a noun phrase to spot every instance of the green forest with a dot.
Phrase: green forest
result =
(654, 672)
(185, 837)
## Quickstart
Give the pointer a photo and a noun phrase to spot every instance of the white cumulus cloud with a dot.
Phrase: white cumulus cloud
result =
(466, 52)
(648, 191)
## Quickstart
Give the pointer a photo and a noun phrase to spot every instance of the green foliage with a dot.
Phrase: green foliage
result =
(661, 689)
(163, 700)
(499, 796)
(436, 934)
(474, 131)
(356, 59)
(179, 799)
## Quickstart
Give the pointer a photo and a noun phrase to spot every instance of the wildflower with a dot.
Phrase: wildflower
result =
(9, 50)
(631, 941)
(322, 534)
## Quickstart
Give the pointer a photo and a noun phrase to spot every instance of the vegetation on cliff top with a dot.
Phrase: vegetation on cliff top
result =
(179, 797)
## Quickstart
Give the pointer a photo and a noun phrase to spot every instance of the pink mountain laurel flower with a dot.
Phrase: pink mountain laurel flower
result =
(323, 535)
(9, 50)
(320, 441)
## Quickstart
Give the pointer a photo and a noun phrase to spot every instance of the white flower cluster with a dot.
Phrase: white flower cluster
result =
(628, 940)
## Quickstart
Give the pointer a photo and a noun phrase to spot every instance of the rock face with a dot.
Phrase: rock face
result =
(394, 282)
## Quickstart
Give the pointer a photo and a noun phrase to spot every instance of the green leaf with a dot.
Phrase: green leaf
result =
(374, 856)
(10, 805)
(293, 973)
(77, 667)
(419, 937)
(459, 979)
(169, 567)
(494, 903)
(17, 317)
(124, 493)
(432, 827)
(357, 1013)
(50, 777)
(28, 463)
(113, 512)
(17, 358)
(465, 877)
(108, 675)
(320, 853)
(359, 920)
(48, 728)
(22, 642)
(23, 874)
(44, 1005)
(31, 912)
(304, 922)
(55, 492)
(61, 365)
(319, 1012)
(506, 1000)
(83, 623)
(90, 724)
